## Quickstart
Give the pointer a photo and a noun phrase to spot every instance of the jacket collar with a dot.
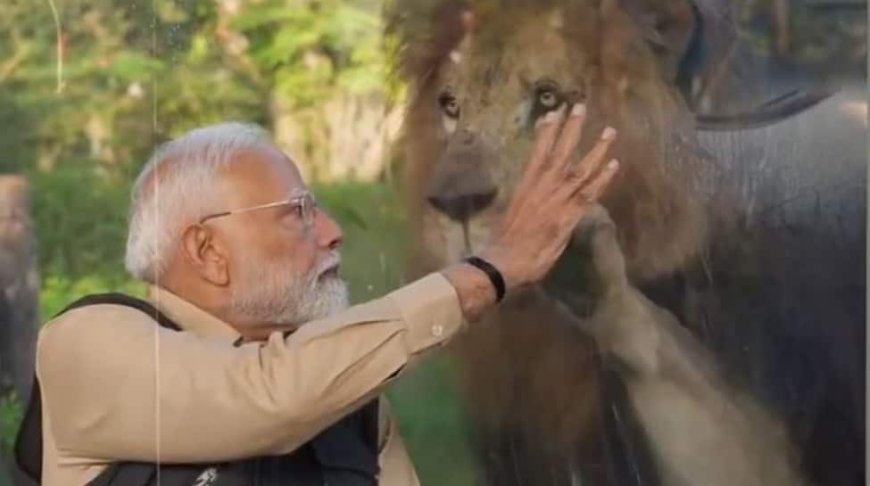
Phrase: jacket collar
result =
(189, 317)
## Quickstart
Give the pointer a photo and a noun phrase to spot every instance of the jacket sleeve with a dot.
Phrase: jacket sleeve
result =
(117, 387)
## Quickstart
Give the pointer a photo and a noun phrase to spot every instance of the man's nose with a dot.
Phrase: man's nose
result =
(327, 231)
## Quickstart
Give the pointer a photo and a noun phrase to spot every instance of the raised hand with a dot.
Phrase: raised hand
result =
(554, 194)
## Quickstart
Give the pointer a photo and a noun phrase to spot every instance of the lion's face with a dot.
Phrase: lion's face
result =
(493, 88)
(471, 126)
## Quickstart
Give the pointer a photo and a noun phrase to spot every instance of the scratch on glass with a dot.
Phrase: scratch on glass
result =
(59, 44)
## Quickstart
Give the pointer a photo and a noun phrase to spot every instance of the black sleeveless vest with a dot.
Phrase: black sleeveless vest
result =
(345, 454)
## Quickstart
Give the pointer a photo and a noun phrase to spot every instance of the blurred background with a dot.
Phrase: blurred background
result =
(89, 87)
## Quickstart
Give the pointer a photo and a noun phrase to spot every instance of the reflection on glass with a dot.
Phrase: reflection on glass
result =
(706, 327)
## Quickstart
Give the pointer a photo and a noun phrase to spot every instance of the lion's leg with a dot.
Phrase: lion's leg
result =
(702, 431)
(537, 419)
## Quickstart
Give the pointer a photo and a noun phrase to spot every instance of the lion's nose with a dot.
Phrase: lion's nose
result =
(460, 207)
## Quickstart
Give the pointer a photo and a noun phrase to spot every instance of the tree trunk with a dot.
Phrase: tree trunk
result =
(346, 137)
(19, 286)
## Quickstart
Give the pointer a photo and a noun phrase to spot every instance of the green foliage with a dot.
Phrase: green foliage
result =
(131, 76)
(57, 291)
(11, 413)
(80, 219)
(311, 49)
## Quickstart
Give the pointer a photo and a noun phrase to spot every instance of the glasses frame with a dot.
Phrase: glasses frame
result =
(303, 201)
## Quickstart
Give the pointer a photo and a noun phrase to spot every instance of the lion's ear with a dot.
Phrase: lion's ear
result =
(667, 26)
(423, 33)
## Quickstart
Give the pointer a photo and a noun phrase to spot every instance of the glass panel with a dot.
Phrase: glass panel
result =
(712, 334)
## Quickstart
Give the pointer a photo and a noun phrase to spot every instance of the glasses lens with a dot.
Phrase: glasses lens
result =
(307, 208)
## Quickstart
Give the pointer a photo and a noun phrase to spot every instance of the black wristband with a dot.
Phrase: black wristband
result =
(491, 272)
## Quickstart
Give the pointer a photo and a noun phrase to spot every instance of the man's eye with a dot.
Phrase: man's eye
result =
(449, 105)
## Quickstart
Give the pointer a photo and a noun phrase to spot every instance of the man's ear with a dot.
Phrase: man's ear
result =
(205, 254)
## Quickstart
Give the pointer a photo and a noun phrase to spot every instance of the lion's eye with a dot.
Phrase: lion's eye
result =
(449, 105)
(545, 97)
(548, 99)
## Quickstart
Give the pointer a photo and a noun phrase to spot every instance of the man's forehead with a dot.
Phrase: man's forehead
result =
(262, 175)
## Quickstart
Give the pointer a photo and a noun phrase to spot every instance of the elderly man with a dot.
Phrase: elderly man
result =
(232, 388)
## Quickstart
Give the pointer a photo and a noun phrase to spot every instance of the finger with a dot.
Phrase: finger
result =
(589, 193)
(593, 160)
(546, 131)
(570, 136)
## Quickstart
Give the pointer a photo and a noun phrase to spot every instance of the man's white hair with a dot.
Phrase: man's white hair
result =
(178, 185)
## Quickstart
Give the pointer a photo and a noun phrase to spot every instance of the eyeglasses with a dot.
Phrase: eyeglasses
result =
(304, 205)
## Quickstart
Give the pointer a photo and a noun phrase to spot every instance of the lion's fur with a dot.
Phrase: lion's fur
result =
(653, 202)
(525, 370)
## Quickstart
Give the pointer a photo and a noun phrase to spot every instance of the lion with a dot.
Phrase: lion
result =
(594, 378)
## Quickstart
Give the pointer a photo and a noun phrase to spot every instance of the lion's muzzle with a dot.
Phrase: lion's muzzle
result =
(461, 184)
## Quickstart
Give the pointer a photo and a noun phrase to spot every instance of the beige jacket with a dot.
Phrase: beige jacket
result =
(115, 386)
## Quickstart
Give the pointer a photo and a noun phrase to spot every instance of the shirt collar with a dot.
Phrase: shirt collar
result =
(190, 317)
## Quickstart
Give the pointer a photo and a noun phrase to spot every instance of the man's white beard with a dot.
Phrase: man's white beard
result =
(271, 294)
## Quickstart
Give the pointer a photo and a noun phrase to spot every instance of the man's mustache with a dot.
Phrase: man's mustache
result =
(331, 262)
